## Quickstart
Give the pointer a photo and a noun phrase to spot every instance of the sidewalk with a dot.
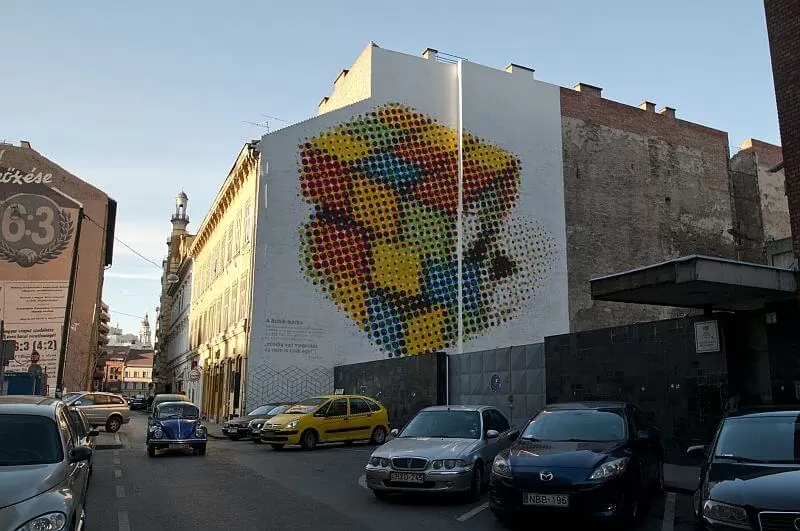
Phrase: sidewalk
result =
(681, 477)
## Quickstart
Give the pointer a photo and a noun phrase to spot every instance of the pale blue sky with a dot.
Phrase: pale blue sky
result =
(146, 98)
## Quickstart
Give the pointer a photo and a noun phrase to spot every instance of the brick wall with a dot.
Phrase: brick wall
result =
(640, 188)
(783, 28)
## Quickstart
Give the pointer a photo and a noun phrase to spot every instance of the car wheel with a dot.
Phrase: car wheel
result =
(277, 447)
(201, 450)
(382, 495)
(308, 440)
(378, 436)
(113, 424)
(476, 485)
(151, 451)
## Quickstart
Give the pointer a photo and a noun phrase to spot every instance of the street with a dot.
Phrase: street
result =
(249, 486)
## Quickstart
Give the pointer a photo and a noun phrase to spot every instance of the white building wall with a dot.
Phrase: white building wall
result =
(357, 236)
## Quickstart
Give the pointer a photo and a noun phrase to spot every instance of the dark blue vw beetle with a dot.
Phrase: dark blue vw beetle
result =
(176, 426)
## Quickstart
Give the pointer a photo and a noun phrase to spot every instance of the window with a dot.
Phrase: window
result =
(499, 421)
(248, 221)
(237, 240)
(338, 408)
(229, 243)
(234, 308)
(446, 424)
(67, 429)
(243, 296)
(600, 425)
(358, 406)
(29, 440)
(225, 299)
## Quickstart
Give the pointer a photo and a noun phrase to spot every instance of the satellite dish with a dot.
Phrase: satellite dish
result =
(172, 278)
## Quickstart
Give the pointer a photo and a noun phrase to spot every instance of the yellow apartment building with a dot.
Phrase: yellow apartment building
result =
(221, 288)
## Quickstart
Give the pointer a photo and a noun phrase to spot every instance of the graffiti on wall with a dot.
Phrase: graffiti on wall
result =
(381, 240)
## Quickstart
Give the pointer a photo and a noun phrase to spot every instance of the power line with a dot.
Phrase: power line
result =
(131, 249)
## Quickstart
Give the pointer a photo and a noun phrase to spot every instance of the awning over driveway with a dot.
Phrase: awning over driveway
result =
(699, 282)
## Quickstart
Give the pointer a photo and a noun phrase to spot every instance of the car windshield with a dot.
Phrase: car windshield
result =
(306, 406)
(262, 410)
(768, 439)
(447, 424)
(277, 410)
(28, 440)
(576, 425)
(178, 411)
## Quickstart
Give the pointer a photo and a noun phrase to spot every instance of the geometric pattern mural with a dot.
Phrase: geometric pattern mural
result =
(381, 240)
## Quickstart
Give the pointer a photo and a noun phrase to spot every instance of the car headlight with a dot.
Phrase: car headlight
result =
(722, 512)
(500, 467)
(454, 463)
(46, 522)
(378, 461)
(292, 424)
(610, 469)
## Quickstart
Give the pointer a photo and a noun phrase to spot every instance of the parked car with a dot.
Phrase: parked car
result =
(102, 409)
(750, 473)
(441, 449)
(86, 435)
(325, 419)
(592, 459)
(43, 466)
(138, 402)
(176, 426)
(257, 423)
(239, 427)
(159, 399)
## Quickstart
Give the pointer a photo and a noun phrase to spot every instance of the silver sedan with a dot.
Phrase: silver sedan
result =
(441, 449)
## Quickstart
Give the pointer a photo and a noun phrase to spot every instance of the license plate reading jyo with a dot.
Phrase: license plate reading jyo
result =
(406, 477)
(546, 500)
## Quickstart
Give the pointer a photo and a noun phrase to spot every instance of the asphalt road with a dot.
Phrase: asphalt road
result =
(242, 485)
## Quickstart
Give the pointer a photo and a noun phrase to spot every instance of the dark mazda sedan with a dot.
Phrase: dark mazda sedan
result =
(599, 460)
(750, 475)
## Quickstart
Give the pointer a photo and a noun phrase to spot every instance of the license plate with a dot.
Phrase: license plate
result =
(405, 477)
(177, 446)
(545, 500)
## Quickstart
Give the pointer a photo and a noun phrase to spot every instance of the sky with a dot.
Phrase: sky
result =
(145, 99)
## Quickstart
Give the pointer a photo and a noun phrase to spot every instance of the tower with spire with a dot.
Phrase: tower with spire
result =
(144, 333)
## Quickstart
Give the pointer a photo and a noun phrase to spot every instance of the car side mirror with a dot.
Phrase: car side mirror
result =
(697, 451)
(93, 433)
(80, 453)
(513, 435)
(492, 434)
(395, 432)
(643, 435)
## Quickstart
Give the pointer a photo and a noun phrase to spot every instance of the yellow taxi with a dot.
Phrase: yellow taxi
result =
(325, 419)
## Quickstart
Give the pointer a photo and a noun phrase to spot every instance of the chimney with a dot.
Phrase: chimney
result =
(589, 90)
(24, 144)
(648, 106)
(513, 68)
(430, 53)
(669, 112)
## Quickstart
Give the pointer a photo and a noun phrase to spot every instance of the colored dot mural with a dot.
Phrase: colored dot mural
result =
(381, 241)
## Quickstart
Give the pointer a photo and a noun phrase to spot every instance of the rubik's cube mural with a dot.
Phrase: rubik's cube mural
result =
(381, 240)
